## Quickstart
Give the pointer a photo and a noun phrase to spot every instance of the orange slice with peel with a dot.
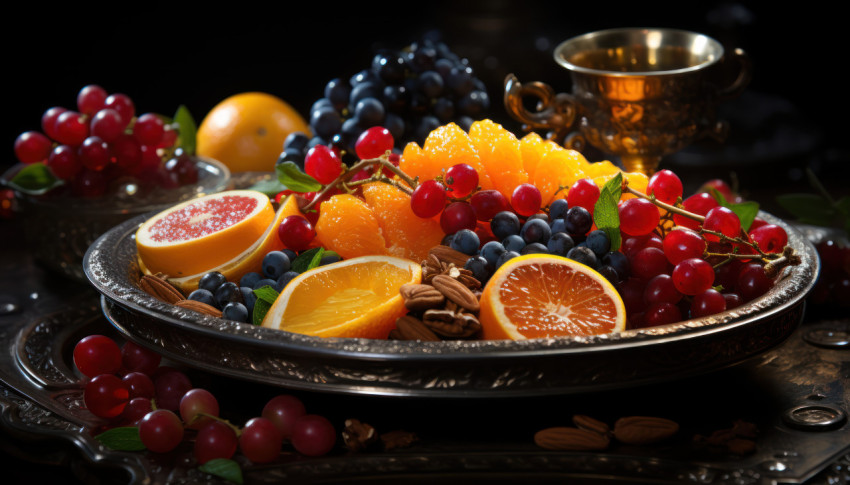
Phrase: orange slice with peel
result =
(203, 233)
(251, 259)
(354, 298)
(540, 296)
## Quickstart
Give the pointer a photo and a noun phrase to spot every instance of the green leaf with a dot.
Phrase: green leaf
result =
(746, 212)
(605, 213)
(268, 187)
(261, 307)
(808, 208)
(186, 129)
(294, 179)
(843, 206)
(309, 259)
(223, 468)
(121, 439)
(267, 294)
(34, 179)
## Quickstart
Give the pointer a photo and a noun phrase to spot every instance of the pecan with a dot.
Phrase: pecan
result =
(590, 424)
(199, 307)
(411, 328)
(358, 436)
(419, 297)
(160, 289)
(456, 291)
(570, 439)
(398, 439)
(450, 323)
(642, 430)
(448, 255)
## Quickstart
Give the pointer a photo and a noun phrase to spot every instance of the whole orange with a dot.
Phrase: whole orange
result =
(246, 131)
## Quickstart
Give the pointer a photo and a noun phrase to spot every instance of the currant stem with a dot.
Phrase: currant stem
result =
(344, 177)
(663, 205)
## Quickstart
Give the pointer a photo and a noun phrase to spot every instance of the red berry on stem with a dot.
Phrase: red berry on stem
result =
(638, 216)
(373, 143)
(97, 354)
(64, 162)
(196, 407)
(428, 199)
(457, 216)
(108, 125)
(215, 440)
(48, 121)
(71, 128)
(161, 431)
(770, 238)
(296, 233)
(693, 276)
(149, 129)
(313, 435)
(123, 105)
(171, 385)
(106, 395)
(283, 411)
(94, 153)
(665, 186)
(583, 193)
(90, 99)
(682, 243)
(488, 203)
(260, 440)
(698, 204)
(136, 358)
(662, 314)
(323, 164)
(707, 303)
(136, 409)
(660, 289)
(139, 385)
(722, 220)
(526, 200)
(461, 179)
(752, 282)
(648, 263)
(32, 147)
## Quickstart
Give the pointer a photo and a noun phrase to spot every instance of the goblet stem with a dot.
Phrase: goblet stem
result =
(646, 164)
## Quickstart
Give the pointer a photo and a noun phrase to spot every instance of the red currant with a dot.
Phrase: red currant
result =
(682, 243)
(752, 282)
(488, 203)
(461, 179)
(127, 151)
(323, 164)
(161, 431)
(313, 435)
(215, 440)
(296, 233)
(526, 200)
(722, 220)
(698, 204)
(693, 276)
(428, 199)
(32, 147)
(136, 409)
(94, 153)
(283, 411)
(770, 238)
(106, 395)
(648, 263)
(662, 314)
(583, 193)
(660, 289)
(48, 121)
(97, 354)
(90, 99)
(457, 216)
(71, 128)
(108, 125)
(149, 129)
(373, 143)
(171, 385)
(665, 186)
(638, 216)
(139, 385)
(707, 303)
(196, 408)
(123, 105)
(260, 440)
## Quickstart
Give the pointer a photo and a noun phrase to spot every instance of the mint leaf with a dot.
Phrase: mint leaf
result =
(746, 212)
(268, 187)
(267, 294)
(307, 260)
(186, 129)
(294, 179)
(121, 439)
(605, 213)
(808, 208)
(223, 468)
(34, 179)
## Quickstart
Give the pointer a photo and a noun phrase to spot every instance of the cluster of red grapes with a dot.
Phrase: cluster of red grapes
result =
(128, 386)
(103, 140)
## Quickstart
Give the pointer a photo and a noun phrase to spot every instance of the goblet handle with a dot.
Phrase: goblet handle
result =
(554, 112)
(745, 74)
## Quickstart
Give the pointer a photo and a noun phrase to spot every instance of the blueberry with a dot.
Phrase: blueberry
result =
(275, 263)
(609, 273)
(540, 215)
(598, 242)
(578, 220)
(618, 261)
(465, 241)
(226, 293)
(330, 258)
(480, 268)
(535, 248)
(557, 209)
(505, 224)
(558, 225)
(249, 279)
(583, 255)
(491, 251)
(204, 296)
(507, 255)
(560, 243)
(289, 254)
(447, 240)
(284, 279)
(535, 230)
(235, 311)
(514, 242)
(248, 297)
(211, 281)
(265, 282)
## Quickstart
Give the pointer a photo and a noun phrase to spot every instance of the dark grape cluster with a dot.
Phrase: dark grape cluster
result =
(409, 91)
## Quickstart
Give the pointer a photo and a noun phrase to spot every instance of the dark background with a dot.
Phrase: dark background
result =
(163, 56)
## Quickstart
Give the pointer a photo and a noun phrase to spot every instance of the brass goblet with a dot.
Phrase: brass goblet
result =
(637, 93)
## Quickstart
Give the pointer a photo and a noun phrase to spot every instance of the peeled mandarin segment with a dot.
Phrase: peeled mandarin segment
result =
(604, 167)
(350, 227)
(557, 168)
(406, 234)
(449, 145)
(200, 234)
(637, 181)
(356, 298)
(500, 154)
(532, 147)
(548, 296)
(412, 160)
(251, 260)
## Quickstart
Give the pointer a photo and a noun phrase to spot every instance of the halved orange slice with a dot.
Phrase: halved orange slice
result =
(203, 233)
(354, 298)
(539, 295)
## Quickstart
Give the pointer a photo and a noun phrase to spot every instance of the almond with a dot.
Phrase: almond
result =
(199, 307)
(570, 439)
(644, 430)
(160, 289)
(590, 424)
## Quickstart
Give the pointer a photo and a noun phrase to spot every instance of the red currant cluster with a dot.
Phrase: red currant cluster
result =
(128, 386)
(102, 140)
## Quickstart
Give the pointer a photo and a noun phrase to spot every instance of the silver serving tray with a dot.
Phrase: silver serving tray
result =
(448, 369)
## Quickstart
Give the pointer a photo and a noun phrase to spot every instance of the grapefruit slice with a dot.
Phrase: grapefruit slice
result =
(354, 298)
(541, 296)
(199, 234)
(251, 259)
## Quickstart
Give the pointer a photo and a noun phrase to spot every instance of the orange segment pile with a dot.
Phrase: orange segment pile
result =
(350, 227)
(500, 154)
(355, 298)
(446, 146)
(203, 233)
(537, 295)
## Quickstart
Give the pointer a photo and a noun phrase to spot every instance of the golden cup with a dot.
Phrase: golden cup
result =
(638, 94)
